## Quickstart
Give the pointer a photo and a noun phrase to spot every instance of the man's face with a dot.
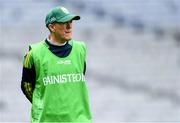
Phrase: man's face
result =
(63, 31)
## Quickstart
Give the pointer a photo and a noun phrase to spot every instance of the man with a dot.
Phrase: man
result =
(53, 73)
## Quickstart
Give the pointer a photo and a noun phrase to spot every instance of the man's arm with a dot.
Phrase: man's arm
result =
(84, 72)
(28, 76)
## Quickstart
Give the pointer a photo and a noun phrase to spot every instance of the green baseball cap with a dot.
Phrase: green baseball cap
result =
(59, 14)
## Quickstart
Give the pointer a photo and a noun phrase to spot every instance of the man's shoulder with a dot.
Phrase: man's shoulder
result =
(77, 42)
(79, 46)
(37, 48)
(36, 45)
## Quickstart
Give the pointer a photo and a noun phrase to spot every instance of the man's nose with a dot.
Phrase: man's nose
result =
(69, 24)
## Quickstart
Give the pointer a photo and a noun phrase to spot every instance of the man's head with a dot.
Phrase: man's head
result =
(59, 22)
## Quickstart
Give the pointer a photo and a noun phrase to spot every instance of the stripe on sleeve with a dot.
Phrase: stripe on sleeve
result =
(27, 60)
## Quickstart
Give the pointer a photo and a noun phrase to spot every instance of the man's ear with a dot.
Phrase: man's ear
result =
(51, 27)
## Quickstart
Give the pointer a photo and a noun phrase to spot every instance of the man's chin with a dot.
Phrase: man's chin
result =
(67, 39)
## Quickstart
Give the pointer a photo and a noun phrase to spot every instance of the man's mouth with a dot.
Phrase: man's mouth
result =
(68, 32)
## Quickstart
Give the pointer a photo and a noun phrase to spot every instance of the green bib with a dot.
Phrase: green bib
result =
(60, 93)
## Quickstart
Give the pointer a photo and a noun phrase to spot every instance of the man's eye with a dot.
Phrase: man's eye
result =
(68, 22)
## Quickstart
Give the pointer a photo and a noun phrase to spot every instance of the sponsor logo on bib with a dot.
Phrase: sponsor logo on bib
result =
(63, 78)
(66, 62)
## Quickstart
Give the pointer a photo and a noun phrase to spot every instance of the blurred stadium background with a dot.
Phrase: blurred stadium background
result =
(133, 56)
